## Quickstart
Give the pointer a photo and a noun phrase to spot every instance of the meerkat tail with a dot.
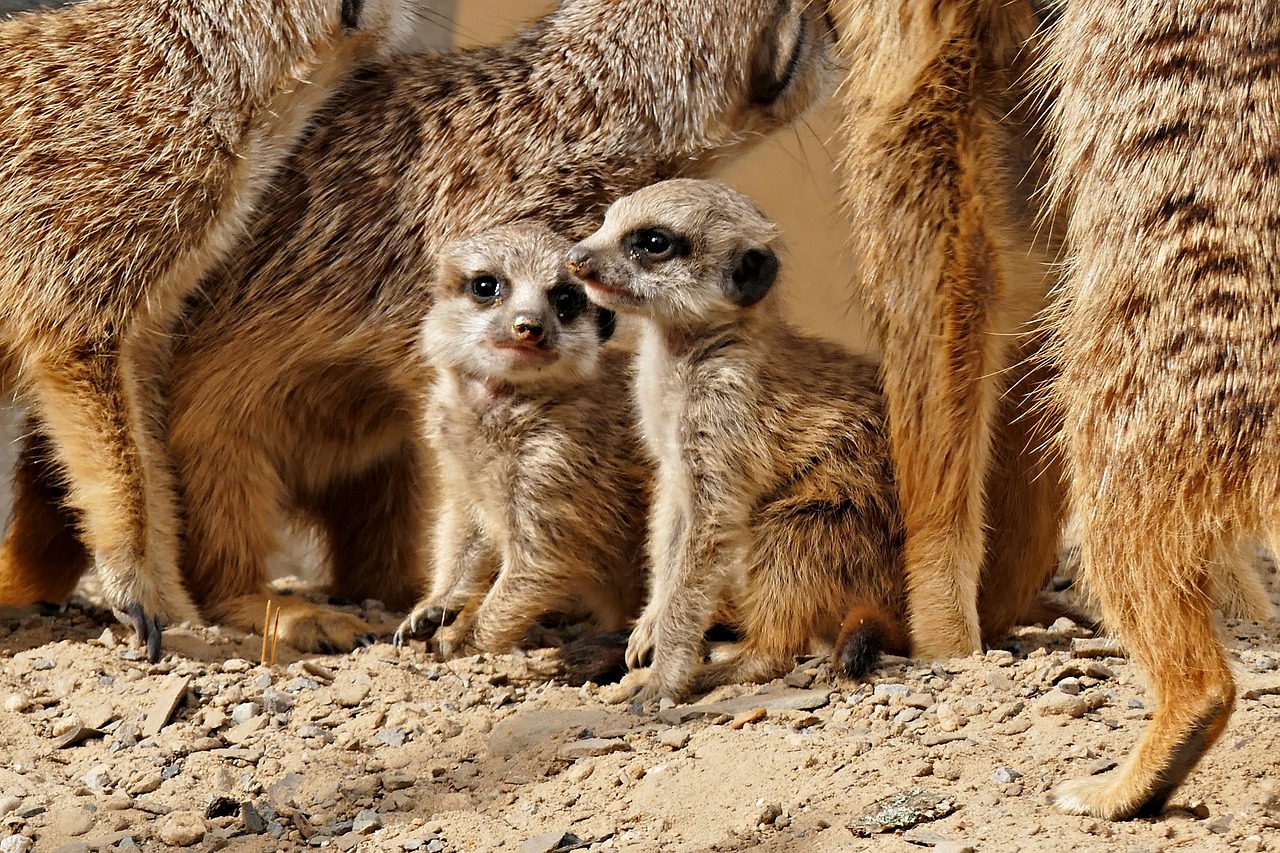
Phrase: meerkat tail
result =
(867, 632)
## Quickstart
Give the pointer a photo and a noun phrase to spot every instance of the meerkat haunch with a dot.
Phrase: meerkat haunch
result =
(297, 379)
(137, 137)
(541, 474)
(774, 485)
(941, 173)
(1167, 336)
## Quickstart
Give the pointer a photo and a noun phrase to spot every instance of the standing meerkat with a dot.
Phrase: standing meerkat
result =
(138, 135)
(1167, 336)
(774, 486)
(941, 174)
(298, 382)
(541, 477)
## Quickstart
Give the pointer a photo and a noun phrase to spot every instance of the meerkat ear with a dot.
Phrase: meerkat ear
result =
(753, 276)
(606, 323)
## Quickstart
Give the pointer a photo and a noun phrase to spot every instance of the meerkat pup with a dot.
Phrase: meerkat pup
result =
(137, 137)
(541, 475)
(1167, 336)
(774, 486)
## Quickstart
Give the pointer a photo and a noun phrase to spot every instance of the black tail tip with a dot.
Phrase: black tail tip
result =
(598, 658)
(860, 651)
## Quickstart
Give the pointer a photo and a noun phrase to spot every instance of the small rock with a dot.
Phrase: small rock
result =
(9, 804)
(1219, 825)
(1102, 765)
(674, 738)
(592, 747)
(949, 720)
(253, 821)
(16, 844)
(72, 821)
(239, 734)
(181, 829)
(244, 712)
(1056, 703)
(367, 821)
(75, 736)
(1000, 657)
(171, 694)
(17, 702)
(394, 736)
(1101, 647)
(97, 778)
(903, 811)
(144, 783)
(277, 702)
(1251, 844)
(579, 772)
(236, 665)
(769, 814)
(1070, 685)
(350, 691)
(108, 638)
(755, 715)
(953, 847)
(891, 690)
(1005, 775)
(44, 665)
(397, 781)
(549, 843)
(1198, 809)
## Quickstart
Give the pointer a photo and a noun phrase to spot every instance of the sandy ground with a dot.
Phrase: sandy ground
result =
(388, 749)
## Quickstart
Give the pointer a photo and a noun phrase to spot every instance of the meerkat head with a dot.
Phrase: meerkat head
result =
(508, 313)
(710, 75)
(679, 251)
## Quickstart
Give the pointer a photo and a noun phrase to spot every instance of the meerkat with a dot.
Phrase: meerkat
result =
(942, 169)
(297, 380)
(541, 475)
(138, 135)
(1167, 338)
(774, 485)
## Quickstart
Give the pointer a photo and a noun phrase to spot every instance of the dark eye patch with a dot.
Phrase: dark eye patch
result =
(351, 13)
(654, 245)
(569, 301)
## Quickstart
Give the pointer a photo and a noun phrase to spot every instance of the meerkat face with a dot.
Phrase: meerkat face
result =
(677, 251)
(507, 312)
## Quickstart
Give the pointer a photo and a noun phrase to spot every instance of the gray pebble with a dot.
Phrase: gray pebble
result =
(891, 690)
(593, 746)
(1005, 775)
(1070, 686)
(367, 821)
(236, 665)
(16, 844)
(262, 682)
(244, 711)
(276, 702)
(394, 736)
(9, 804)
(253, 821)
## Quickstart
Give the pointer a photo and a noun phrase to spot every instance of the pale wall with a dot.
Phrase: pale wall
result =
(790, 176)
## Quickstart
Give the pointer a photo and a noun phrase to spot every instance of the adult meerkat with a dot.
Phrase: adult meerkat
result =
(774, 485)
(138, 135)
(298, 381)
(542, 484)
(1167, 336)
(941, 175)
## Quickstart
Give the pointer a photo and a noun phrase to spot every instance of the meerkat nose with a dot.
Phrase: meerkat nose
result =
(579, 263)
(529, 329)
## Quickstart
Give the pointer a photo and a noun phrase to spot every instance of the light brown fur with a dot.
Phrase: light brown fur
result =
(541, 475)
(774, 485)
(137, 137)
(940, 172)
(298, 382)
(1167, 334)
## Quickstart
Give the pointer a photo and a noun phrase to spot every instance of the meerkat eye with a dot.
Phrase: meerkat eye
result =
(569, 301)
(484, 288)
(652, 244)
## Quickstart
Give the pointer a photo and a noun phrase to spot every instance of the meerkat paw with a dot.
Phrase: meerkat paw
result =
(456, 641)
(305, 626)
(423, 622)
(143, 601)
(1098, 796)
(641, 645)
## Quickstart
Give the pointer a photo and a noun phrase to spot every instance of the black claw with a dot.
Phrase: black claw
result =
(147, 629)
(327, 648)
(398, 638)
(153, 641)
(367, 640)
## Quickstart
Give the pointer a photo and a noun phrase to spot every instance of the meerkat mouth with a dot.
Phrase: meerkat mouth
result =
(610, 296)
(522, 353)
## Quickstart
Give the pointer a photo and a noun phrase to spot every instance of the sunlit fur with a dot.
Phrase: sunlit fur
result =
(541, 475)
(138, 136)
(298, 383)
(939, 161)
(774, 486)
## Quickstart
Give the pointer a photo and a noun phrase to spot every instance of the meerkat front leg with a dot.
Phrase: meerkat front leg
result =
(463, 567)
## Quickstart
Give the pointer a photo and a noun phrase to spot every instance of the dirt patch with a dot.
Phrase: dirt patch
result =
(387, 749)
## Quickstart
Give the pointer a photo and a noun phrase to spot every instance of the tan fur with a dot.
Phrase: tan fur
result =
(1167, 162)
(774, 484)
(541, 475)
(940, 173)
(137, 137)
(298, 382)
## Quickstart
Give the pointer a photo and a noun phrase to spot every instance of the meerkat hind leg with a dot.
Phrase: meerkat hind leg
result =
(304, 625)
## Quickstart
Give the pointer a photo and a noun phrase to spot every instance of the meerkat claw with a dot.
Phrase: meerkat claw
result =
(148, 630)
